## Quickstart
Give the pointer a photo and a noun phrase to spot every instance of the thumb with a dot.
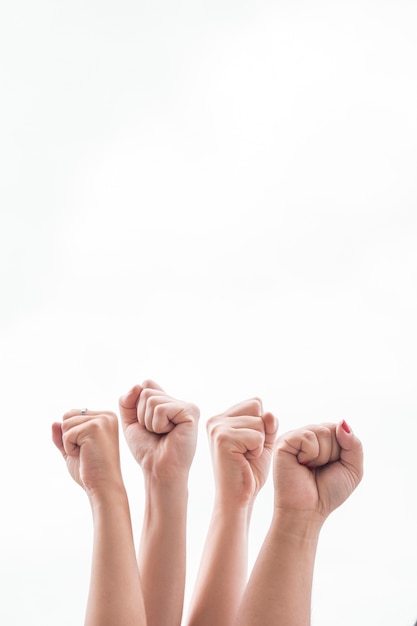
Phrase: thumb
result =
(128, 406)
(57, 437)
(351, 453)
(271, 429)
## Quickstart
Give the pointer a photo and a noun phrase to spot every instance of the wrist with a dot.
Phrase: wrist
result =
(304, 526)
(231, 501)
(107, 497)
(166, 485)
(232, 513)
(176, 481)
(165, 501)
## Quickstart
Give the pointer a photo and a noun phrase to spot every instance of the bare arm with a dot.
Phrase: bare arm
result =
(115, 595)
(279, 590)
(222, 574)
(315, 469)
(162, 434)
(241, 442)
(89, 444)
(162, 551)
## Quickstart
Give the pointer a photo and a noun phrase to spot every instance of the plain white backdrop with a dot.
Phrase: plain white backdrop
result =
(220, 196)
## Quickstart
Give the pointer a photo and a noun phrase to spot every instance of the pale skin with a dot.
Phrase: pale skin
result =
(161, 432)
(89, 444)
(316, 468)
(241, 443)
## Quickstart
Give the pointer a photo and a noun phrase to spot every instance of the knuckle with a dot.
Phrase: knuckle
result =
(221, 437)
(64, 425)
(158, 410)
(257, 423)
(211, 424)
(152, 399)
(280, 446)
(193, 409)
(69, 414)
(99, 424)
(95, 425)
(255, 406)
(214, 425)
(309, 435)
(219, 432)
(324, 431)
(64, 438)
(146, 393)
(258, 403)
(148, 385)
(258, 438)
(153, 403)
(110, 419)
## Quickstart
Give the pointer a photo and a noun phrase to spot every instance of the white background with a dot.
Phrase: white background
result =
(220, 196)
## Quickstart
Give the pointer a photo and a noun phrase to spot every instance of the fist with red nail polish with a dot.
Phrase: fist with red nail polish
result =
(316, 468)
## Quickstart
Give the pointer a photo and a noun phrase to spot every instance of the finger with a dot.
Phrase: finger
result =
(57, 437)
(164, 416)
(251, 442)
(175, 412)
(82, 412)
(252, 406)
(152, 402)
(243, 440)
(328, 450)
(301, 444)
(70, 440)
(151, 384)
(128, 406)
(76, 431)
(351, 452)
(82, 428)
(78, 420)
(147, 399)
(235, 423)
(271, 429)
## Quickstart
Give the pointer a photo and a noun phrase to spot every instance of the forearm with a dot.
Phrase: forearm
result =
(162, 551)
(222, 575)
(115, 595)
(279, 590)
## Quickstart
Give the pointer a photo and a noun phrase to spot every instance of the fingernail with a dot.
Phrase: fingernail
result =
(345, 427)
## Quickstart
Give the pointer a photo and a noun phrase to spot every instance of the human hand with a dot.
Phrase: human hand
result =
(316, 468)
(161, 431)
(89, 444)
(241, 443)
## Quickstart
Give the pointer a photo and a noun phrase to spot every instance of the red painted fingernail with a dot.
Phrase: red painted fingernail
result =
(345, 427)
